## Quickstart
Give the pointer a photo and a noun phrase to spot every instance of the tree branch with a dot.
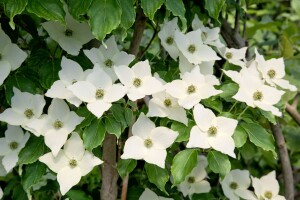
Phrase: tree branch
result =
(285, 161)
(292, 109)
(232, 39)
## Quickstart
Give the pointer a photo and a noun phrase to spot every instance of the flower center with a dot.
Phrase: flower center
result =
(74, 81)
(168, 102)
(99, 94)
(271, 73)
(212, 131)
(58, 124)
(204, 34)
(108, 63)
(28, 113)
(13, 145)
(192, 48)
(68, 32)
(257, 96)
(169, 40)
(191, 89)
(233, 185)
(137, 82)
(228, 55)
(148, 143)
(268, 194)
(191, 179)
(73, 163)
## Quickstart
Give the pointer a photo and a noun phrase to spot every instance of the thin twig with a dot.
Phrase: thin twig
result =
(150, 42)
(292, 109)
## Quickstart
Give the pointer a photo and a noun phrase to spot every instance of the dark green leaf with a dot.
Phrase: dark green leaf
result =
(178, 9)
(88, 117)
(34, 148)
(218, 162)
(128, 13)
(19, 193)
(124, 167)
(239, 136)
(94, 134)
(77, 8)
(112, 126)
(183, 130)
(150, 7)
(129, 116)
(32, 175)
(268, 115)
(13, 8)
(78, 195)
(158, 176)
(48, 73)
(214, 7)
(229, 90)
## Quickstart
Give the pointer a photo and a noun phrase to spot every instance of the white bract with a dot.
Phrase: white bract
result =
(56, 126)
(70, 73)
(11, 145)
(1, 193)
(235, 56)
(273, 71)
(108, 57)
(193, 87)
(206, 68)
(192, 47)
(211, 131)
(11, 56)
(71, 163)
(25, 107)
(236, 183)
(194, 182)
(267, 187)
(71, 36)
(138, 80)
(166, 36)
(98, 91)
(150, 195)
(148, 142)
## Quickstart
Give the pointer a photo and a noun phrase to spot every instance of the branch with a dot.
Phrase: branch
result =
(232, 39)
(285, 161)
(292, 109)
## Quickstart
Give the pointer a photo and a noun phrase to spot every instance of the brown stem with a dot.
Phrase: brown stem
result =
(232, 39)
(109, 189)
(285, 161)
(293, 113)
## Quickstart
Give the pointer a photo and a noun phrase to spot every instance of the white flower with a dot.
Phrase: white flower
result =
(24, 108)
(11, 145)
(267, 187)
(193, 87)
(70, 73)
(192, 47)
(1, 193)
(212, 131)
(166, 36)
(148, 142)
(109, 57)
(206, 68)
(194, 182)
(273, 71)
(98, 91)
(236, 184)
(71, 163)
(235, 56)
(150, 195)
(71, 36)
(138, 80)
(56, 126)
(11, 56)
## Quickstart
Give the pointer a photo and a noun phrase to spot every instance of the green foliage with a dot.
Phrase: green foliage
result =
(150, 7)
(218, 162)
(124, 167)
(93, 135)
(32, 175)
(157, 176)
(128, 13)
(78, 8)
(35, 147)
(178, 9)
(214, 7)
(13, 8)
(239, 136)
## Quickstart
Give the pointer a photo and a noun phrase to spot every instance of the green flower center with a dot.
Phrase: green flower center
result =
(233, 185)
(68, 32)
(13, 145)
(73, 163)
(99, 94)
(58, 124)
(271, 73)
(268, 195)
(257, 96)
(28, 113)
(212, 131)
(191, 179)
(108, 63)
(228, 55)
(148, 143)
(169, 40)
(168, 102)
(74, 81)
(191, 89)
(192, 48)
(137, 82)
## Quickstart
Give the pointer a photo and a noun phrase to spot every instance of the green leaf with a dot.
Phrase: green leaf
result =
(178, 9)
(112, 126)
(260, 137)
(229, 90)
(158, 176)
(49, 10)
(286, 47)
(94, 134)
(128, 13)
(183, 163)
(19, 193)
(88, 117)
(183, 130)
(129, 116)
(218, 162)
(78, 195)
(13, 8)
(214, 7)
(48, 73)
(213, 103)
(239, 136)
(33, 174)
(77, 8)
(118, 113)
(268, 115)
(295, 4)
(150, 7)
(105, 16)
(34, 148)
(124, 167)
